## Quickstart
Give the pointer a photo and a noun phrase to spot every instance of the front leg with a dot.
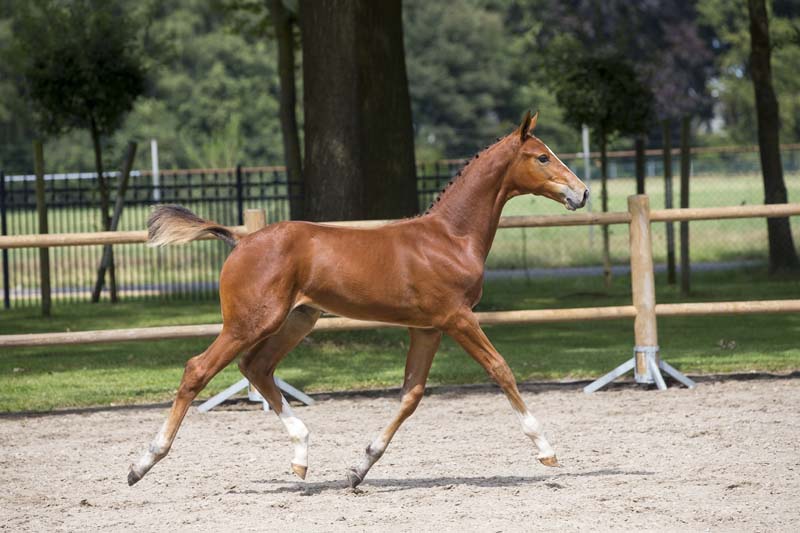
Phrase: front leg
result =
(464, 328)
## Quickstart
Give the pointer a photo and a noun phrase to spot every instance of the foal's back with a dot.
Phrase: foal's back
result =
(398, 272)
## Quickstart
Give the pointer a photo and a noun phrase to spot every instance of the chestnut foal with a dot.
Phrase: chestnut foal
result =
(425, 273)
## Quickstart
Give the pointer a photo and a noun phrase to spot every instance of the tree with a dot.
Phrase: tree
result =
(782, 254)
(470, 73)
(359, 151)
(729, 23)
(603, 92)
(278, 19)
(82, 70)
(663, 41)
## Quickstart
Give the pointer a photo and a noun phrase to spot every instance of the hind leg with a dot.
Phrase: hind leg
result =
(424, 343)
(199, 371)
(258, 365)
(242, 328)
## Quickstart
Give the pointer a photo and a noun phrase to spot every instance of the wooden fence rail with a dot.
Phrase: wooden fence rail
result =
(579, 219)
(646, 362)
(537, 316)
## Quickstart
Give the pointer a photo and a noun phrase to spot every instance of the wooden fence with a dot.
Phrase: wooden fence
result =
(643, 309)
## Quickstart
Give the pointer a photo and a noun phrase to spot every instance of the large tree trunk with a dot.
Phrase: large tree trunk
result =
(782, 254)
(359, 149)
(282, 22)
(105, 217)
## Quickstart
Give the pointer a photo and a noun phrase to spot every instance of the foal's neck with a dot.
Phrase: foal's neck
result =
(471, 205)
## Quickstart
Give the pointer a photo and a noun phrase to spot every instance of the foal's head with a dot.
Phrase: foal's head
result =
(536, 169)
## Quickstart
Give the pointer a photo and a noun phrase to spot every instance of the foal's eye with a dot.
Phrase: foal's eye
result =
(543, 158)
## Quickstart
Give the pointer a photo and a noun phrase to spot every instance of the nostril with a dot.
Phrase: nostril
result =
(585, 195)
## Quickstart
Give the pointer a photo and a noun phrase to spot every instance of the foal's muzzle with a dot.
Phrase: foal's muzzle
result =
(573, 204)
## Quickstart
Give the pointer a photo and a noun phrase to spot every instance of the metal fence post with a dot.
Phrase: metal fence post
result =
(239, 195)
(640, 162)
(41, 208)
(4, 231)
(686, 162)
(668, 202)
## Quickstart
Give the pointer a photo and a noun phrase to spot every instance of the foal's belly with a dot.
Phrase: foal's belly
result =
(381, 283)
(392, 274)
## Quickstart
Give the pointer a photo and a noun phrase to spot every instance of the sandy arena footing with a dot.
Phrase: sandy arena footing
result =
(724, 457)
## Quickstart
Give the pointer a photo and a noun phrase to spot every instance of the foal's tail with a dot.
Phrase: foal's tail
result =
(174, 224)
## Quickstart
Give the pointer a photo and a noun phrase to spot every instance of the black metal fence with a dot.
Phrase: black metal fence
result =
(172, 272)
(191, 272)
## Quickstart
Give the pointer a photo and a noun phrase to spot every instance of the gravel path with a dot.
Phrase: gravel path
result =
(725, 456)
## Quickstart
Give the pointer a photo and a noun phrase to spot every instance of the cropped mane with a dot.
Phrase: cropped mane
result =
(457, 176)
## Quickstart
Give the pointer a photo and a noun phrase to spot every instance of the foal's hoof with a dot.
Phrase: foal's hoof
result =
(549, 461)
(300, 470)
(353, 479)
(133, 477)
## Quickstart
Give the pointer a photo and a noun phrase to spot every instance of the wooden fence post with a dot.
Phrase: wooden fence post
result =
(41, 209)
(254, 220)
(668, 201)
(644, 289)
(686, 165)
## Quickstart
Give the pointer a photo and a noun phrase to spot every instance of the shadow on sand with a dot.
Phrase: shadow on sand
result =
(392, 485)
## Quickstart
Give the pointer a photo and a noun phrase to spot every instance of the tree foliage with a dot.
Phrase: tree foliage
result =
(670, 51)
(604, 92)
(473, 66)
(80, 63)
(732, 88)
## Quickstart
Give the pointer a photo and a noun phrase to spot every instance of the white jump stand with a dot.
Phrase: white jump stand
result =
(252, 394)
(646, 366)
(645, 363)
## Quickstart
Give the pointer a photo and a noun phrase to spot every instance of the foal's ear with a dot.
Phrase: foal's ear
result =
(528, 124)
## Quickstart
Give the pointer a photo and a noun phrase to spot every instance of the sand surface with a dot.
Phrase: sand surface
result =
(724, 457)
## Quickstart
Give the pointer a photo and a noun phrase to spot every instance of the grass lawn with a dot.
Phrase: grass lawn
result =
(123, 373)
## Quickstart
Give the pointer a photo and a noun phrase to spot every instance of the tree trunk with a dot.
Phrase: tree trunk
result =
(782, 254)
(105, 218)
(108, 250)
(282, 22)
(359, 149)
(604, 202)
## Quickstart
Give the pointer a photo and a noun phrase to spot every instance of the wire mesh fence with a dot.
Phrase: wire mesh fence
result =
(719, 178)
